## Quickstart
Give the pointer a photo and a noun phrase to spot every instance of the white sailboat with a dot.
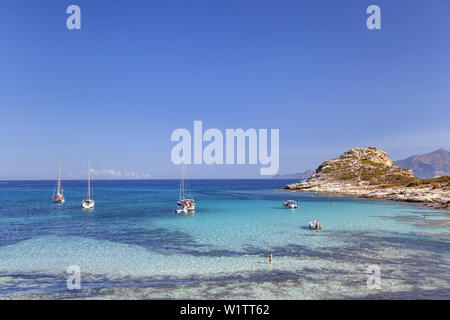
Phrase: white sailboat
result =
(88, 203)
(185, 205)
(58, 197)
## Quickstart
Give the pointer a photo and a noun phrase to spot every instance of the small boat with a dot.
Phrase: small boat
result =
(185, 205)
(292, 204)
(316, 224)
(88, 203)
(181, 211)
(58, 197)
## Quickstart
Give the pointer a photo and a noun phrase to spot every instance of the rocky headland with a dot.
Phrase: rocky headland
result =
(369, 173)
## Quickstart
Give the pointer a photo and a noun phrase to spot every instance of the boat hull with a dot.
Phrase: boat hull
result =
(88, 204)
(58, 198)
(315, 225)
(290, 205)
(186, 205)
(181, 211)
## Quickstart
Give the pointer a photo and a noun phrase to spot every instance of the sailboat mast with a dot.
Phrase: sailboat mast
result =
(59, 179)
(179, 195)
(182, 174)
(181, 182)
(182, 179)
(89, 178)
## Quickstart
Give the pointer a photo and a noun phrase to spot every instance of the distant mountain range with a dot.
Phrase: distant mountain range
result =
(428, 165)
(297, 176)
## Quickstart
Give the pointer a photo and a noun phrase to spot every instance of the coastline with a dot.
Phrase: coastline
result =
(368, 172)
(434, 199)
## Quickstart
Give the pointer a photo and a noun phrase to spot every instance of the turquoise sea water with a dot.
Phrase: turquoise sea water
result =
(132, 245)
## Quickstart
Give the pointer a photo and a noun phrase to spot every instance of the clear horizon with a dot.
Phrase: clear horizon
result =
(115, 178)
(116, 89)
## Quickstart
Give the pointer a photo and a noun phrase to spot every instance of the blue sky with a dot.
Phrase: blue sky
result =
(116, 89)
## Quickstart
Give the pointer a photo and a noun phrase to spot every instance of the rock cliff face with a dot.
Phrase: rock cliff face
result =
(368, 172)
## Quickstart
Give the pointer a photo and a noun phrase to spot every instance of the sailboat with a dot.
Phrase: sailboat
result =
(58, 197)
(88, 203)
(185, 205)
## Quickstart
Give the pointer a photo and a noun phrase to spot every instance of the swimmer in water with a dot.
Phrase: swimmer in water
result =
(270, 257)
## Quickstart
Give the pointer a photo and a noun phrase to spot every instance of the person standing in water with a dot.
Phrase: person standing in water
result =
(270, 257)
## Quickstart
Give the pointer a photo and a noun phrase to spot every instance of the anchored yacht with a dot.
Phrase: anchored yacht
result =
(88, 203)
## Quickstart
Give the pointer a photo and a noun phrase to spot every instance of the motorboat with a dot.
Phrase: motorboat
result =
(315, 224)
(292, 204)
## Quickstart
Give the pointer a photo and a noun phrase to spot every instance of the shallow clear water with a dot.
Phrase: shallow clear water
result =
(132, 245)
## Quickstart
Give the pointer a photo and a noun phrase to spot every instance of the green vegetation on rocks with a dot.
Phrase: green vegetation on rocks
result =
(369, 173)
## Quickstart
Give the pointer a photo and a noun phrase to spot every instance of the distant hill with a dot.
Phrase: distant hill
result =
(369, 173)
(428, 165)
(360, 167)
(298, 176)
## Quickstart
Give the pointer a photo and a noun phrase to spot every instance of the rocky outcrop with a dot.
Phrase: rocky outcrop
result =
(368, 172)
